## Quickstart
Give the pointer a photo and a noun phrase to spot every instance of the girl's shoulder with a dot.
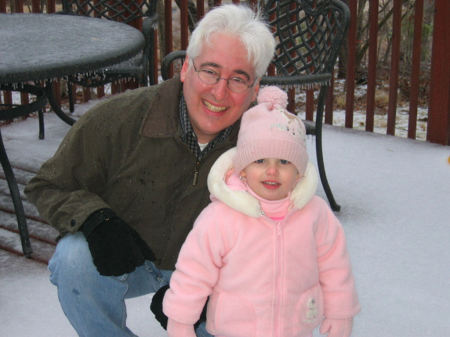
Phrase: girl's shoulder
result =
(220, 212)
(316, 210)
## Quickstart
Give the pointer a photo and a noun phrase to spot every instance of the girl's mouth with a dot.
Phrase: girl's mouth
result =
(269, 184)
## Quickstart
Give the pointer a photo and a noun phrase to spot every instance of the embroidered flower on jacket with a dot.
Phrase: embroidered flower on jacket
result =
(312, 311)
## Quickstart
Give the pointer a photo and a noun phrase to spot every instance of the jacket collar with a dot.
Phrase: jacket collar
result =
(244, 202)
(162, 119)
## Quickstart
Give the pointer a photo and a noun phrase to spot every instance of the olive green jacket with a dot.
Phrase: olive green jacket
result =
(126, 154)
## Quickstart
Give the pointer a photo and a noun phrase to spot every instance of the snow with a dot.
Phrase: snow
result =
(395, 197)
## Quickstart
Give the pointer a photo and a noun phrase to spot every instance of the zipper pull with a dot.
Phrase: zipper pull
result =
(196, 172)
(278, 229)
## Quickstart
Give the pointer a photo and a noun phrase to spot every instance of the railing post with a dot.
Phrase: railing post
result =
(36, 6)
(395, 59)
(184, 29)
(2, 6)
(439, 109)
(372, 67)
(51, 6)
(351, 67)
(18, 6)
(200, 9)
(415, 70)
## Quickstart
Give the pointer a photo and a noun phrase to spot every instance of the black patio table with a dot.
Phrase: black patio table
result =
(38, 48)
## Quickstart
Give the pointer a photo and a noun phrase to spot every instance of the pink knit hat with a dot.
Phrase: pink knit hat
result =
(268, 130)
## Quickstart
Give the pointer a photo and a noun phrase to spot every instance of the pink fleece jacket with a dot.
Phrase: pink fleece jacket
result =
(263, 277)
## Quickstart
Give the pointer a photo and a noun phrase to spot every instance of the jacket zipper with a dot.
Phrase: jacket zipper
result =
(278, 280)
(196, 172)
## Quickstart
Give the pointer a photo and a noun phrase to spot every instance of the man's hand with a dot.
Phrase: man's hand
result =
(157, 308)
(116, 248)
(337, 327)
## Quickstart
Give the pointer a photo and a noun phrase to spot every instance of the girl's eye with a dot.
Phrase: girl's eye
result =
(259, 161)
(284, 161)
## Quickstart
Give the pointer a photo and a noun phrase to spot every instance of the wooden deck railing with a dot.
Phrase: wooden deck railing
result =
(174, 34)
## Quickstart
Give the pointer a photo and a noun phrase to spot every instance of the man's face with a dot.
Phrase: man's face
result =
(213, 107)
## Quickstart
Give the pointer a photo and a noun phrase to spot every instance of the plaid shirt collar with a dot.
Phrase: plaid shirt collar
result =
(190, 139)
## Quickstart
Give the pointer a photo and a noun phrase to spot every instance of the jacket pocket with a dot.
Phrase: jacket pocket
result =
(230, 315)
(308, 311)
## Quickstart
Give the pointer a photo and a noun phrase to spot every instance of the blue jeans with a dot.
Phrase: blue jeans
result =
(95, 304)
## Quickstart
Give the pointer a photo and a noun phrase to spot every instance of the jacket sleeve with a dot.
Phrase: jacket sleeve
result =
(66, 189)
(335, 272)
(197, 268)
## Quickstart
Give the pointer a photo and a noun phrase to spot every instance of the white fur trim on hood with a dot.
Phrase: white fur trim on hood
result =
(243, 201)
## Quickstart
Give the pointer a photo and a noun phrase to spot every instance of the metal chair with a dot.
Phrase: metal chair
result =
(141, 67)
(173, 59)
(9, 112)
(309, 35)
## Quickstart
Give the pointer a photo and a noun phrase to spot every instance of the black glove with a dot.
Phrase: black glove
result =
(116, 248)
(157, 304)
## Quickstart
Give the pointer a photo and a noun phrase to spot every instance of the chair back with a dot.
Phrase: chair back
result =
(309, 34)
(126, 11)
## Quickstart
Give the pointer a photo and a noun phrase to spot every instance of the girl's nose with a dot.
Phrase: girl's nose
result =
(272, 170)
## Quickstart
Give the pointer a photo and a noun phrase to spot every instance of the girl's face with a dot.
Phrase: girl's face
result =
(271, 178)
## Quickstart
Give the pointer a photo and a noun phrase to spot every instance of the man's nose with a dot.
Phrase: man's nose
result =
(220, 89)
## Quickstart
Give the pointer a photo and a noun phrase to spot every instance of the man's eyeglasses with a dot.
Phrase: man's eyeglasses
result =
(235, 83)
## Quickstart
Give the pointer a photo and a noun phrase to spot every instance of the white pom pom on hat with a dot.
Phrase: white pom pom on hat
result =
(274, 96)
(268, 130)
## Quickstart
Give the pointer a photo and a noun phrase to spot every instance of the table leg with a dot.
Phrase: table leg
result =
(54, 104)
(15, 195)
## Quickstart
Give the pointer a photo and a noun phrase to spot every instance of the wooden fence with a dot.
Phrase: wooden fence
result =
(174, 34)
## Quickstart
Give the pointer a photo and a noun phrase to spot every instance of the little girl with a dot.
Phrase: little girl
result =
(270, 254)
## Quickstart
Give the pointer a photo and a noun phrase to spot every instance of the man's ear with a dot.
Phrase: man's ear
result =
(184, 69)
(255, 89)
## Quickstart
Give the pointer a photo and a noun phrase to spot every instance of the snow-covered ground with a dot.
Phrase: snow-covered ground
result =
(395, 197)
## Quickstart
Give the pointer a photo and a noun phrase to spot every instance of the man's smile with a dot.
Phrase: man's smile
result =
(214, 108)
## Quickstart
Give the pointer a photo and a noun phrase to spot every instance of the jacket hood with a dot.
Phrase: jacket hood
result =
(243, 201)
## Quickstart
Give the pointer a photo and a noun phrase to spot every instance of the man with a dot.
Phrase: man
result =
(129, 178)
